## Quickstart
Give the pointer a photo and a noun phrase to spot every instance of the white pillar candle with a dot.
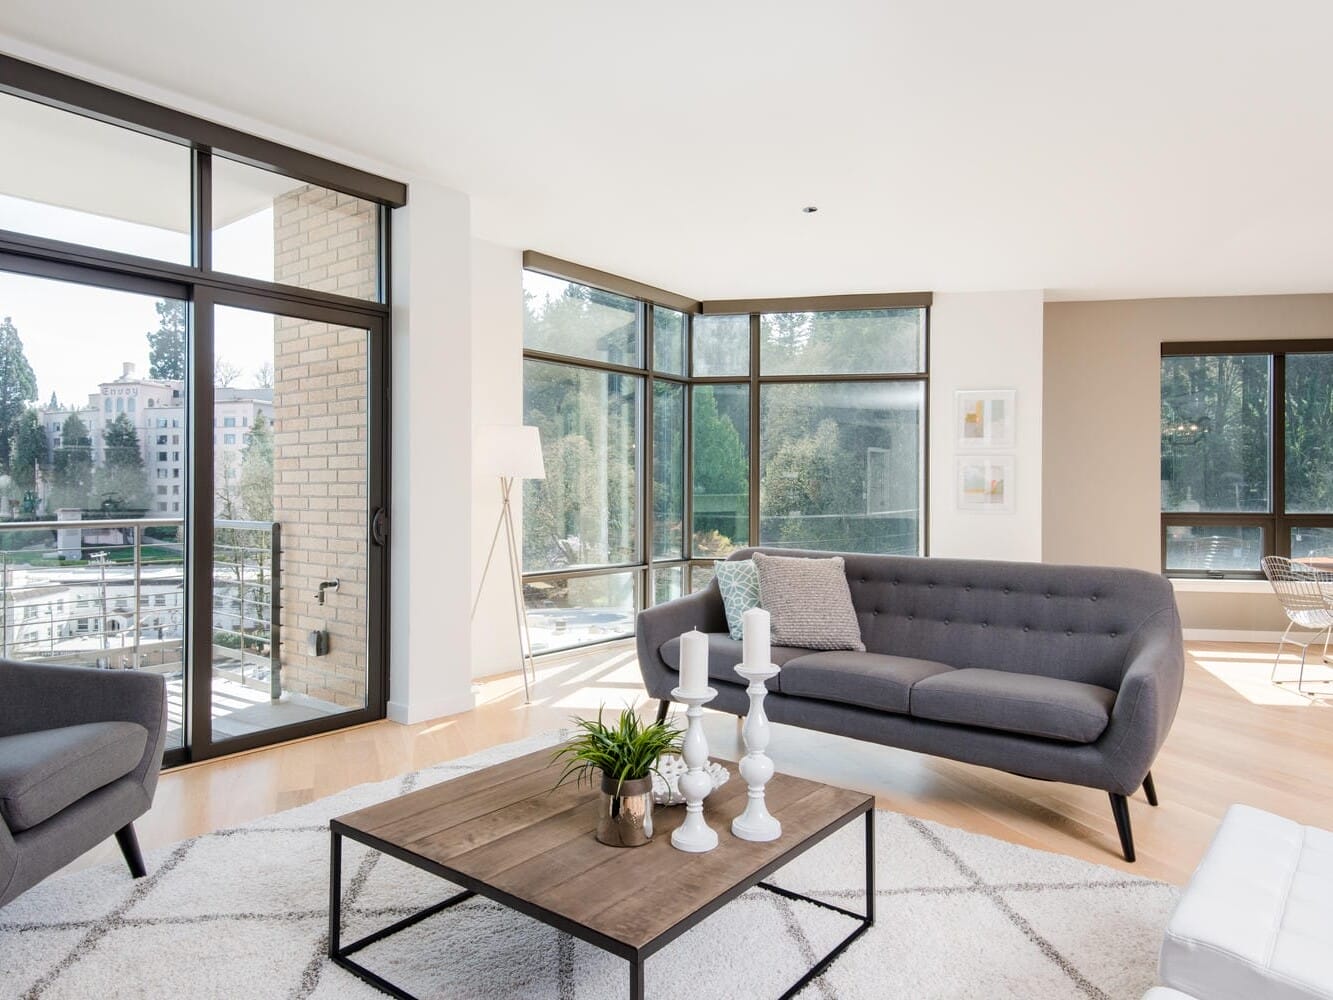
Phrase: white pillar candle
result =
(694, 661)
(755, 626)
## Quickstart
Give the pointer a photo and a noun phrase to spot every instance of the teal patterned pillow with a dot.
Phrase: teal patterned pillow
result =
(739, 583)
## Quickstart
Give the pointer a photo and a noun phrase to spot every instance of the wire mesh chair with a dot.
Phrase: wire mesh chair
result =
(1307, 598)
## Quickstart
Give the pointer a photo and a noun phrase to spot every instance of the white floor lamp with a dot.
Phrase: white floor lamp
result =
(512, 453)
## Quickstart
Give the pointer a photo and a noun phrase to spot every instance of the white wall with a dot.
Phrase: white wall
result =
(986, 340)
(497, 398)
(429, 666)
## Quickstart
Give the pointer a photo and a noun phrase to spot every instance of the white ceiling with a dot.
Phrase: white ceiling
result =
(1094, 150)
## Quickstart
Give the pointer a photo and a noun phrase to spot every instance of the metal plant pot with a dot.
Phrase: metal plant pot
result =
(625, 812)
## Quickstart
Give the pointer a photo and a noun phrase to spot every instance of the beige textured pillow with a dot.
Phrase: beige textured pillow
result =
(810, 602)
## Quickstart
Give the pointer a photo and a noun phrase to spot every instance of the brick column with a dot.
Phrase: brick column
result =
(326, 241)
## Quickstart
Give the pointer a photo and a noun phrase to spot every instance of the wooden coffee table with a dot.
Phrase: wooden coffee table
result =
(502, 833)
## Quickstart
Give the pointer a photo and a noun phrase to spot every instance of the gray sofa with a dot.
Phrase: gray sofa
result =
(1064, 673)
(80, 752)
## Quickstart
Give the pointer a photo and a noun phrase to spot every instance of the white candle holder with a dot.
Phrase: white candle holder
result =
(694, 835)
(756, 823)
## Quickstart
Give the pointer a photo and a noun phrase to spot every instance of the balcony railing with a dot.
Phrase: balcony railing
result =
(112, 592)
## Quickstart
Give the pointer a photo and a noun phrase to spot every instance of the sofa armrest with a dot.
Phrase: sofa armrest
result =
(703, 610)
(1146, 703)
(9, 860)
(35, 696)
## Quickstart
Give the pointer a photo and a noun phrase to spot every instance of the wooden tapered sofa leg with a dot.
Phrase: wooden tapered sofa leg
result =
(129, 846)
(1120, 809)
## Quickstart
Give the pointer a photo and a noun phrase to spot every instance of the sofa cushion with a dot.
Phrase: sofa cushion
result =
(866, 680)
(724, 653)
(43, 772)
(1016, 703)
(810, 602)
(739, 583)
(1253, 921)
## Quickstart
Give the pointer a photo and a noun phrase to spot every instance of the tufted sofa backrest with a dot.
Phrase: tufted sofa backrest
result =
(1071, 622)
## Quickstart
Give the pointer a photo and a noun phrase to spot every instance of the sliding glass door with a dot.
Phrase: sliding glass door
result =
(291, 532)
(192, 482)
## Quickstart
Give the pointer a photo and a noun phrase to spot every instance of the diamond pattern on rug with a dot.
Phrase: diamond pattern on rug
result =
(243, 912)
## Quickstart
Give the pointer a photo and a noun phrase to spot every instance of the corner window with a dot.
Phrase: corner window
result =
(578, 321)
(670, 443)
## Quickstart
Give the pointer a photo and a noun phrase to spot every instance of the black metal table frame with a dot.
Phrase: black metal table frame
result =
(340, 953)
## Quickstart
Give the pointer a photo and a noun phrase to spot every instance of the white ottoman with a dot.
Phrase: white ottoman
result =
(1256, 920)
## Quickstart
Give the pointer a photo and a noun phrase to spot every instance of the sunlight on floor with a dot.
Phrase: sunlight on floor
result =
(1246, 672)
(578, 683)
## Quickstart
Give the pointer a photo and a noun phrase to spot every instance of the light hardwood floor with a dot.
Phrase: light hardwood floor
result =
(1236, 739)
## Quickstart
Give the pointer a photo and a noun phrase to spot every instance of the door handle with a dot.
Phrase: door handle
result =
(379, 526)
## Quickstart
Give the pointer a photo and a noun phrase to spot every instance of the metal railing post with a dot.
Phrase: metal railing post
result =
(240, 602)
(275, 612)
(137, 620)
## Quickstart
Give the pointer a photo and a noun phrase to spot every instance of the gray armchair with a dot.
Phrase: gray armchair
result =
(80, 751)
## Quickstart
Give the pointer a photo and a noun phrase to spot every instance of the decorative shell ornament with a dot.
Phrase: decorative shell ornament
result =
(666, 780)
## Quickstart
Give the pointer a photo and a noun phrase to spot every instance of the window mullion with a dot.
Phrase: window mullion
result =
(1279, 540)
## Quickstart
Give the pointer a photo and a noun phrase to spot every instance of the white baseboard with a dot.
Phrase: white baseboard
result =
(1230, 635)
(407, 714)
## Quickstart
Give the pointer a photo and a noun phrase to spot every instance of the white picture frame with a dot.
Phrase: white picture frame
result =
(986, 483)
(986, 419)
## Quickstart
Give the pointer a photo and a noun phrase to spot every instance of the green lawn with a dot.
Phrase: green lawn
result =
(116, 556)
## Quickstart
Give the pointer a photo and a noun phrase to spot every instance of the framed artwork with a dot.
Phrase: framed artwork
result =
(986, 483)
(985, 418)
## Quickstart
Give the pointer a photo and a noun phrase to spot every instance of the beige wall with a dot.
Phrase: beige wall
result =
(1101, 428)
(1207, 612)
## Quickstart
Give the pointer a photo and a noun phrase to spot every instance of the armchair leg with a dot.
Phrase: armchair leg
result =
(129, 846)
(1120, 809)
(1149, 789)
(663, 707)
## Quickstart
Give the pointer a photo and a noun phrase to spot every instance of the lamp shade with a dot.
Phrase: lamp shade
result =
(511, 451)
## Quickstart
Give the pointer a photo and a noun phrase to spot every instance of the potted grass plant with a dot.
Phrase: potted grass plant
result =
(622, 758)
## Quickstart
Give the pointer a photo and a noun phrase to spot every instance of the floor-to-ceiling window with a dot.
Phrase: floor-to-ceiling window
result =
(583, 542)
(676, 432)
(193, 363)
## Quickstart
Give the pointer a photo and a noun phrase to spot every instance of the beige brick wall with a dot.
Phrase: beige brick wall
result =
(327, 241)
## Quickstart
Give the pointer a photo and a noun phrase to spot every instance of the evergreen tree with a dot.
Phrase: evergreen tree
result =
(721, 473)
(27, 450)
(257, 472)
(166, 345)
(18, 387)
(72, 469)
(720, 465)
(121, 479)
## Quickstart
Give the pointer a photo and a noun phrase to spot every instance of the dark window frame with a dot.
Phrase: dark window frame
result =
(647, 296)
(201, 286)
(1276, 525)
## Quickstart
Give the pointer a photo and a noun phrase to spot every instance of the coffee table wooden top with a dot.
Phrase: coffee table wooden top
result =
(502, 830)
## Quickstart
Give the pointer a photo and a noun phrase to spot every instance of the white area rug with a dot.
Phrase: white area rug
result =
(242, 913)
